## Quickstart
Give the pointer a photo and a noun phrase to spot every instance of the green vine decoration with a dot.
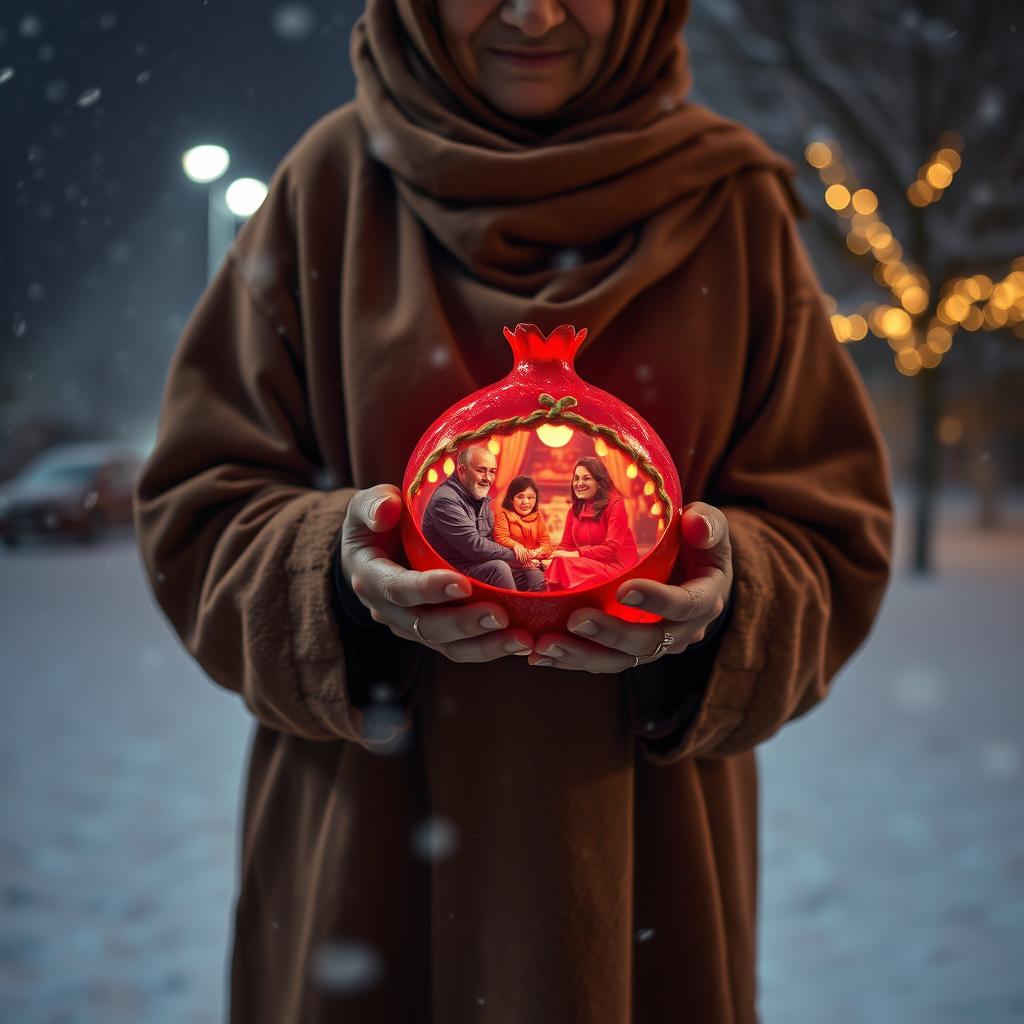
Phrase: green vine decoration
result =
(553, 412)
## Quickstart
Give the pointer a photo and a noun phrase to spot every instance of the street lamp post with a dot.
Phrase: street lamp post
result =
(206, 165)
(220, 227)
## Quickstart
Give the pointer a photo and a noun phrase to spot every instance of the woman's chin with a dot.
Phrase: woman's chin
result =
(522, 106)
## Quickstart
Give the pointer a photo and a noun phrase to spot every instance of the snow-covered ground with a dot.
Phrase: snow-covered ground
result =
(892, 881)
(893, 823)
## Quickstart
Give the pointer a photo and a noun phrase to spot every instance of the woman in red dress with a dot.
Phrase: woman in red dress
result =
(597, 542)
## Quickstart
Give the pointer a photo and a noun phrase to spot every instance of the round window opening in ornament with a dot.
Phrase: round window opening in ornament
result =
(545, 492)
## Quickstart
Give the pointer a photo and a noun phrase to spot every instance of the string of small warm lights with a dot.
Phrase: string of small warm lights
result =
(936, 176)
(967, 303)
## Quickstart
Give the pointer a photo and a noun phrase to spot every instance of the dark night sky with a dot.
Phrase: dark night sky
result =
(102, 237)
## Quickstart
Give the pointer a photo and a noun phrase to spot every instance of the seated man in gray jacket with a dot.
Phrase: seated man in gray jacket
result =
(459, 524)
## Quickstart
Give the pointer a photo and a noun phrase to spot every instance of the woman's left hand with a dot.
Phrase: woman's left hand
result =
(606, 643)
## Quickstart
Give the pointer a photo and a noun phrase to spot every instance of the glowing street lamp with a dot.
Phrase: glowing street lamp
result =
(244, 196)
(204, 164)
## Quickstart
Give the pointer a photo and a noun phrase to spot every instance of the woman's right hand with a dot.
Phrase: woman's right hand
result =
(396, 596)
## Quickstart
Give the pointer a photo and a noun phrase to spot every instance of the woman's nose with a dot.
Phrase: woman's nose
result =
(533, 17)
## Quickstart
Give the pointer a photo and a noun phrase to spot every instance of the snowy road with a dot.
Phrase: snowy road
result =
(893, 827)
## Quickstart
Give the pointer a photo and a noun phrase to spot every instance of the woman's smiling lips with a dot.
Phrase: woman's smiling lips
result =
(531, 58)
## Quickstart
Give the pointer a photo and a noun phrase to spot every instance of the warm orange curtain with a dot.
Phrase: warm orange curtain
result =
(615, 462)
(510, 460)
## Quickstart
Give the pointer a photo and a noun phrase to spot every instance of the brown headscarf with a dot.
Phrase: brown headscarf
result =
(594, 205)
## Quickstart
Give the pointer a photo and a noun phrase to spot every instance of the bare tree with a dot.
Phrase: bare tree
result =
(904, 103)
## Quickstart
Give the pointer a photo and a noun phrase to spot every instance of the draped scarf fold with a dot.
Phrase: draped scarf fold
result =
(551, 208)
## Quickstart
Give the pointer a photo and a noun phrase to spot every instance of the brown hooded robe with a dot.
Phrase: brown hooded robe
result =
(500, 843)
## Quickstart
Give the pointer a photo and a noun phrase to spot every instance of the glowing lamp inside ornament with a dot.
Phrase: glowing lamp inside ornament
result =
(543, 422)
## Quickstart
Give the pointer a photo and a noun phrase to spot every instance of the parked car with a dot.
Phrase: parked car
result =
(70, 489)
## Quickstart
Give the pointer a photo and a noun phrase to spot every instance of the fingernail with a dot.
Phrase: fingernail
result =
(586, 627)
(490, 622)
(709, 523)
(376, 505)
(515, 647)
(544, 661)
(454, 590)
(554, 651)
(634, 597)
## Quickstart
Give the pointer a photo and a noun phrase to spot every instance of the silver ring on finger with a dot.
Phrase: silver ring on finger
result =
(668, 640)
(416, 629)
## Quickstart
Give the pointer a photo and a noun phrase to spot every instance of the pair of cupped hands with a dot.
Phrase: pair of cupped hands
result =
(397, 596)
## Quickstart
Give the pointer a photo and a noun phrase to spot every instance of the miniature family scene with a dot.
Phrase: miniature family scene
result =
(520, 534)
(536, 496)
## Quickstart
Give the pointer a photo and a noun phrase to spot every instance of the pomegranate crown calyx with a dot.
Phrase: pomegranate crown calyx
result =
(530, 345)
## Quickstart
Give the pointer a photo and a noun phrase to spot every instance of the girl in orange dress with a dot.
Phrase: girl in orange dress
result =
(519, 525)
(597, 542)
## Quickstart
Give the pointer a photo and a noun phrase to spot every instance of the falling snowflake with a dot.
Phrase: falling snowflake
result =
(918, 688)
(88, 98)
(567, 259)
(30, 26)
(345, 966)
(119, 252)
(644, 934)
(439, 357)
(380, 146)
(258, 269)
(1000, 760)
(983, 194)
(6, 74)
(382, 693)
(435, 839)
(990, 108)
(151, 659)
(293, 21)
(385, 726)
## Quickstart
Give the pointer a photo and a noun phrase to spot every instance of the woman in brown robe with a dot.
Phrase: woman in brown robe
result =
(435, 830)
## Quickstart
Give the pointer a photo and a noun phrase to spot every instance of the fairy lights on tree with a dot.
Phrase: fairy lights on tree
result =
(922, 322)
(890, 83)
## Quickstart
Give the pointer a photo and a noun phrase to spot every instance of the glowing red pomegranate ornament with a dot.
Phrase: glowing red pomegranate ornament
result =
(539, 421)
